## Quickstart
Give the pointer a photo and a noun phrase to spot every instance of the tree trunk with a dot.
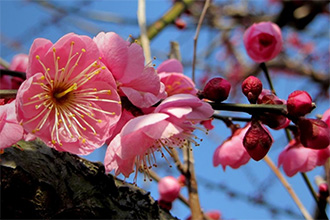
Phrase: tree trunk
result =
(40, 182)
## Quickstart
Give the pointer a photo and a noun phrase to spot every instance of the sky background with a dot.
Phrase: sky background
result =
(231, 192)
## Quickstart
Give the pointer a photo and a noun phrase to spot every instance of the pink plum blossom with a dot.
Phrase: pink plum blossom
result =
(125, 60)
(151, 132)
(170, 125)
(232, 152)
(10, 130)
(297, 158)
(171, 75)
(185, 109)
(69, 99)
(263, 41)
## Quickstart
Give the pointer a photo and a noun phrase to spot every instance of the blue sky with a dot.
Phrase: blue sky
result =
(23, 21)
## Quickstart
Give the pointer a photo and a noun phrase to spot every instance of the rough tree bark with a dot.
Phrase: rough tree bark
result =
(41, 183)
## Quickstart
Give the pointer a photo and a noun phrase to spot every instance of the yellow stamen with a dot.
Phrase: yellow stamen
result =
(70, 89)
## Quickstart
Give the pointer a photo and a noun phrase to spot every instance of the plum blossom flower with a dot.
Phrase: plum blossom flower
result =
(263, 41)
(232, 152)
(140, 83)
(152, 132)
(170, 125)
(69, 99)
(297, 158)
(171, 74)
(10, 130)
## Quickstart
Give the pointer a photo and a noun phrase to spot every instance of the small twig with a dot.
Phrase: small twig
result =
(168, 18)
(141, 15)
(265, 70)
(288, 188)
(175, 51)
(199, 25)
(4, 63)
(177, 161)
(21, 75)
(8, 93)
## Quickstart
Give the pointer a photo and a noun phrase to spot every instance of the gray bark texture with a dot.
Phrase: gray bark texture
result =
(38, 182)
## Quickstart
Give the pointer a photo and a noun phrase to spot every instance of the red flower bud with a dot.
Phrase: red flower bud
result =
(323, 191)
(299, 103)
(180, 23)
(216, 89)
(257, 141)
(168, 188)
(314, 133)
(182, 180)
(252, 87)
(274, 121)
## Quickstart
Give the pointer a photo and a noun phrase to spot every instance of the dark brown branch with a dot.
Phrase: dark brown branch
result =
(38, 182)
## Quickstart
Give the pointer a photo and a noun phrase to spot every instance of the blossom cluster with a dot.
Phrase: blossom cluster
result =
(310, 146)
(81, 93)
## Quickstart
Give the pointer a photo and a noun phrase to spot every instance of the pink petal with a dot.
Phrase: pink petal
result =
(170, 66)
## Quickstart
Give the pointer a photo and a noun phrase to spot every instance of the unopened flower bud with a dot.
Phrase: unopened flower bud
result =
(216, 89)
(299, 103)
(314, 133)
(274, 121)
(323, 191)
(168, 188)
(257, 141)
(263, 41)
(180, 23)
(182, 180)
(251, 88)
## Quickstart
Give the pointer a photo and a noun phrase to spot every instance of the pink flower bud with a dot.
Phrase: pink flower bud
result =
(251, 88)
(257, 141)
(299, 103)
(314, 133)
(263, 41)
(182, 180)
(323, 191)
(168, 188)
(216, 89)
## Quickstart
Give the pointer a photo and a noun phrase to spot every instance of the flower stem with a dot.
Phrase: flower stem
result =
(288, 188)
(265, 70)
